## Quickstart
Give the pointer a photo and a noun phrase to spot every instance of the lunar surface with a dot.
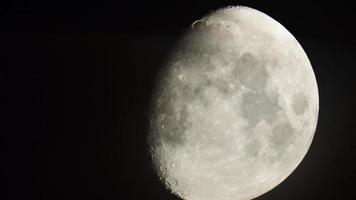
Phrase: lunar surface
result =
(234, 109)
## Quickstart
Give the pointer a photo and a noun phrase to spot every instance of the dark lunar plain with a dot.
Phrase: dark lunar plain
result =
(76, 78)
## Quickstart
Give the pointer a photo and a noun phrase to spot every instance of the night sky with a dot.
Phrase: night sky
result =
(76, 78)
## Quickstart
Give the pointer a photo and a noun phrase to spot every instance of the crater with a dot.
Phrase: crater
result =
(300, 103)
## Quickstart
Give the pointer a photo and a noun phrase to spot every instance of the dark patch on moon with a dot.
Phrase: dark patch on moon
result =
(300, 103)
(191, 94)
(251, 71)
(172, 126)
(169, 123)
(258, 106)
(252, 148)
(282, 136)
(223, 86)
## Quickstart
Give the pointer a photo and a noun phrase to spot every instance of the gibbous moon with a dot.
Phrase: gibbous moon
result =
(235, 108)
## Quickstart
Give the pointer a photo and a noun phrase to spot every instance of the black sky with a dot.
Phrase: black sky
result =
(78, 74)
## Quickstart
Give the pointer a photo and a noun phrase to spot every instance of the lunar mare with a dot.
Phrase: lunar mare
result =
(235, 108)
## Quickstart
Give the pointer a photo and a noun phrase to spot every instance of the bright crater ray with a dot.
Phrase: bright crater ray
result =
(234, 110)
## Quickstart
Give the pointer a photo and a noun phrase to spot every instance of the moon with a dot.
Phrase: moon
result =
(234, 109)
